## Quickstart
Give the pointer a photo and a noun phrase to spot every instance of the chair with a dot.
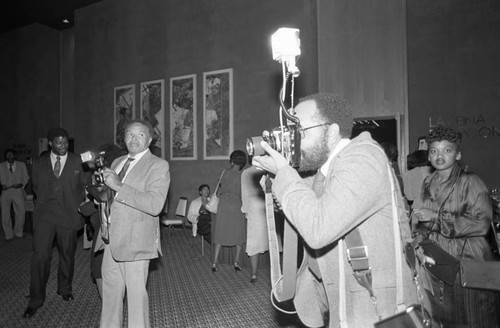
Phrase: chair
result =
(202, 243)
(179, 218)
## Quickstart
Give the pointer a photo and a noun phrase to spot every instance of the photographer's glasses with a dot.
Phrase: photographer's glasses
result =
(302, 130)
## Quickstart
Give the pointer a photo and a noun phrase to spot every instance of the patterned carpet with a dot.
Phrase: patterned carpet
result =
(183, 292)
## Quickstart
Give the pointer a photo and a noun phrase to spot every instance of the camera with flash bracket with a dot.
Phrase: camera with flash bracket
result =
(286, 138)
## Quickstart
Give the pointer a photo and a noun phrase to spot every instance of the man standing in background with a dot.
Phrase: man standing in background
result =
(13, 178)
(59, 188)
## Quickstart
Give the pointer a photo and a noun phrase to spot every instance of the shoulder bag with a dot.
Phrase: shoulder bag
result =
(213, 203)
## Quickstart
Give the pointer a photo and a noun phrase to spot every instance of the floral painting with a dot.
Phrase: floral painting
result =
(218, 114)
(183, 117)
(124, 103)
(153, 111)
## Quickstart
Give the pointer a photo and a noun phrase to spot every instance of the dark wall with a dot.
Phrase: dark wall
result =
(120, 42)
(29, 87)
(454, 76)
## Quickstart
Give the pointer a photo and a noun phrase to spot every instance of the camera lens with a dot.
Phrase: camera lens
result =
(98, 177)
(253, 146)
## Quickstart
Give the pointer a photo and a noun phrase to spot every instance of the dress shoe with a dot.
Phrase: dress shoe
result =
(67, 297)
(30, 311)
(253, 279)
(236, 267)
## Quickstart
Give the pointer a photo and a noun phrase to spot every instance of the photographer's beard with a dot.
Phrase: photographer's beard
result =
(313, 158)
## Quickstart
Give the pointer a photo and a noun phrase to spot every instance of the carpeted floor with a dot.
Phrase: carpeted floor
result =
(182, 291)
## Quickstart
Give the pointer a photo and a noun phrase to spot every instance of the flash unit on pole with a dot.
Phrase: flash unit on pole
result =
(285, 43)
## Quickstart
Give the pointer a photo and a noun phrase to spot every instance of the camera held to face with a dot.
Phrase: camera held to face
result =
(284, 140)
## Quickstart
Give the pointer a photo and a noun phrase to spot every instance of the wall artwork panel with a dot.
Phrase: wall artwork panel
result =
(183, 118)
(124, 103)
(218, 114)
(153, 111)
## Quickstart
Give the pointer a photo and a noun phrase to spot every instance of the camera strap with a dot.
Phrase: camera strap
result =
(283, 283)
(363, 277)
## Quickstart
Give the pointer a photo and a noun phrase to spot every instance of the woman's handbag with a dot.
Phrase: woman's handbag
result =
(444, 266)
(213, 203)
(411, 317)
(480, 274)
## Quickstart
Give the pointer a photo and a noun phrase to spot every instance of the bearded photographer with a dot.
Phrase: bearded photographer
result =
(351, 189)
(132, 230)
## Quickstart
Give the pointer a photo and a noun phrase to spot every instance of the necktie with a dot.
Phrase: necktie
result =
(57, 167)
(124, 170)
(10, 168)
(107, 207)
(318, 187)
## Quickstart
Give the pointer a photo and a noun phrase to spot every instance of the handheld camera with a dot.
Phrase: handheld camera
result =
(96, 163)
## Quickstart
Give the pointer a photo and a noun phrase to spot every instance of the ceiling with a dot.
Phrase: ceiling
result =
(19, 13)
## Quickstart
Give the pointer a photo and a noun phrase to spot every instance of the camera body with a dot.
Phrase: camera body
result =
(96, 163)
(284, 140)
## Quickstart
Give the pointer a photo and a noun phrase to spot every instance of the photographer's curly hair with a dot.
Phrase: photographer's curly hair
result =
(442, 132)
(333, 109)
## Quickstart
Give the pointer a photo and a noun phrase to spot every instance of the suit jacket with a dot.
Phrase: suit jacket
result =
(357, 193)
(72, 193)
(134, 231)
(20, 175)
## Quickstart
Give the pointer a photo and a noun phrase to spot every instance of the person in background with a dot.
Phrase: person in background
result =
(59, 187)
(13, 178)
(454, 211)
(230, 225)
(418, 169)
(254, 207)
(199, 216)
(392, 153)
(132, 231)
(92, 210)
(351, 189)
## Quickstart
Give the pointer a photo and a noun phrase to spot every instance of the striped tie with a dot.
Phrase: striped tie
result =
(57, 167)
(124, 170)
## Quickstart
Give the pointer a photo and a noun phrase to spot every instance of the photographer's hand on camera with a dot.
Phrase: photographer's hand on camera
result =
(272, 162)
(111, 179)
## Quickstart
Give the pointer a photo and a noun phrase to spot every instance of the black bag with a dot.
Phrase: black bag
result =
(412, 317)
(480, 275)
(100, 192)
(445, 267)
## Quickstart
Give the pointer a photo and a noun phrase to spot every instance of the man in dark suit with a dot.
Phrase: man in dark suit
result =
(59, 187)
(133, 227)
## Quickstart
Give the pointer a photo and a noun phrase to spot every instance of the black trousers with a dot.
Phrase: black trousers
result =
(43, 240)
(205, 226)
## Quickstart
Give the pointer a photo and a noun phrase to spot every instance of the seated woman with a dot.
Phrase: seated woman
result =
(198, 215)
(454, 210)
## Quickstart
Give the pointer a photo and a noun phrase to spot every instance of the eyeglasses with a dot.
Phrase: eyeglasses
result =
(302, 133)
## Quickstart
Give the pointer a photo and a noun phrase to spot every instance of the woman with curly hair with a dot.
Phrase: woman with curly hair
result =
(454, 211)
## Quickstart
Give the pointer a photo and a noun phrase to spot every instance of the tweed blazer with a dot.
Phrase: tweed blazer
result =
(134, 231)
(73, 180)
(357, 194)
